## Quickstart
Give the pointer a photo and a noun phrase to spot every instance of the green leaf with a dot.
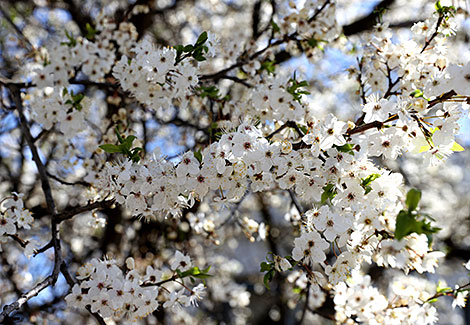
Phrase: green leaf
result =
(90, 31)
(127, 143)
(275, 27)
(118, 134)
(348, 148)
(267, 278)
(297, 290)
(269, 66)
(194, 272)
(329, 192)
(417, 93)
(367, 181)
(407, 224)
(295, 88)
(198, 156)
(265, 267)
(199, 57)
(202, 38)
(188, 48)
(412, 199)
(110, 148)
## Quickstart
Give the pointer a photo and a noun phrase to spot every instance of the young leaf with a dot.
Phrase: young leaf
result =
(110, 148)
(202, 38)
(405, 224)
(412, 199)
(329, 192)
(267, 278)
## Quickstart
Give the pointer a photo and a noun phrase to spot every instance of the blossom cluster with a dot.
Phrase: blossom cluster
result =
(57, 105)
(14, 215)
(267, 139)
(152, 77)
(110, 292)
(94, 58)
(359, 299)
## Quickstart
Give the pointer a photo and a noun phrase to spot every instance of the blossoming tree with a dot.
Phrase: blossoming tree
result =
(162, 163)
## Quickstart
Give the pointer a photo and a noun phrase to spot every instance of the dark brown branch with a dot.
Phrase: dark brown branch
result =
(238, 80)
(288, 124)
(18, 239)
(70, 213)
(436, 32)
(83, 183)
(50, 280)
(365, 127)
(368, 21)
(315, 15)
(8, 309)
(46, 187)
(304, 311)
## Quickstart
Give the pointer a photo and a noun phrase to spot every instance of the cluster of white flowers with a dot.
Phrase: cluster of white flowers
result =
(356, 220)
(297, 20)
(352, 204)
(153, 78)
(412, 73)
(95, 58)
(358, 299)
(112, 293)
(55, 105)
(271, 102)
(14, 216)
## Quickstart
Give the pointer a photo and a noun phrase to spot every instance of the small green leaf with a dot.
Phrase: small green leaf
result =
(405, 225)
(118, 134)
(265, 267)
(198, 156)
(110, 148)
(275, 27)
(329, 192)
(127, 143)
(367, 181)
(412, 199)
(347, 148)
(90, 31)
(269, 66)
(188, 48)
(417, 93)
(202, 38)
(267, 278)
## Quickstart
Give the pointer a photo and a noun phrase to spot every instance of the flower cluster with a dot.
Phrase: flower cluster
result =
(153, 78)
(359, 299)
(110, 292)
(58, 105)
(14, 215)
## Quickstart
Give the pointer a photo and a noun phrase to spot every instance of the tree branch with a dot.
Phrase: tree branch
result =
(368, 21)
